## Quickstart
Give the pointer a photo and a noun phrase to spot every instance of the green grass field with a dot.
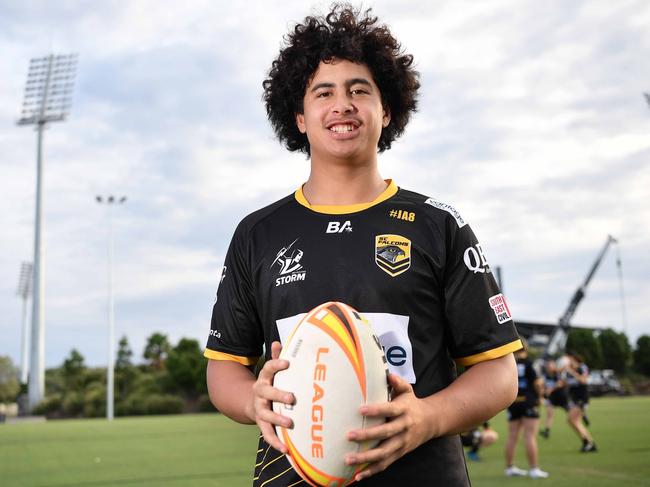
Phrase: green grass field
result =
(210, 450)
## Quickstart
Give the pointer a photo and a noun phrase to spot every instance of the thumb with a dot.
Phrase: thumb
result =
(399, 385)
(276, 348)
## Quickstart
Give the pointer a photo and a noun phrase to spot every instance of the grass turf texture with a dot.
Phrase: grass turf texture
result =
(210, 450)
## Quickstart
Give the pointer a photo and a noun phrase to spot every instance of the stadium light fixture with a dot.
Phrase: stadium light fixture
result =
(48, 97)
(24, 291)
(110, 201)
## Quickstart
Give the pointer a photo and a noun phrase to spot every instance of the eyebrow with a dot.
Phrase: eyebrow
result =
(348, 83)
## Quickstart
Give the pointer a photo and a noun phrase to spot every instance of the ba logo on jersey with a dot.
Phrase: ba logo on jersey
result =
(338, 227)
(288, 260)
(393, 254)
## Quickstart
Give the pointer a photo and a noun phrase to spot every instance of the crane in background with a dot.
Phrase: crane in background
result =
(558, 339)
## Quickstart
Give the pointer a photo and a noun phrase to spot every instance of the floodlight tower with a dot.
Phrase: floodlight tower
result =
(24, 291)
(48, 97)
(110, 381)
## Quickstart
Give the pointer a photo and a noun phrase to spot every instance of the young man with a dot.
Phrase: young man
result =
(341, 90)
(523, 415)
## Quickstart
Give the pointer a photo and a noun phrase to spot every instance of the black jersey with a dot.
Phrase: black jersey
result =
(410, 264)
(526, 378)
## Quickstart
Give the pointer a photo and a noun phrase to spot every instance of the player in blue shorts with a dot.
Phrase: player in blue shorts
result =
(523, 415)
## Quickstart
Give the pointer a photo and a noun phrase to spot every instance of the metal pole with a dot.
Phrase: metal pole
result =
(111, 319)
(24, 362)
(37, 368)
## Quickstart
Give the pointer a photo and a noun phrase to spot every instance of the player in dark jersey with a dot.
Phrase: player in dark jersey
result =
(341, 90)
(576, 374)
(523, 415)
(555, 395)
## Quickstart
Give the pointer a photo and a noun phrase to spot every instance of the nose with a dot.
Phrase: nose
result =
(342, 104)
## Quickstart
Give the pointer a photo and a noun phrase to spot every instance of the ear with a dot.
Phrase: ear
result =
(385, 119)
(300, 122)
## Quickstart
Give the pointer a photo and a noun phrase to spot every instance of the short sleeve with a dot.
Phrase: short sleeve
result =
(478, 319)
(235, 330)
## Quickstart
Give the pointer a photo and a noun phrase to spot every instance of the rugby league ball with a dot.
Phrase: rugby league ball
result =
(336, 364)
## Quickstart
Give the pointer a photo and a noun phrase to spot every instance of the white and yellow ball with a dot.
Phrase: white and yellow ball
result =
(336, 365)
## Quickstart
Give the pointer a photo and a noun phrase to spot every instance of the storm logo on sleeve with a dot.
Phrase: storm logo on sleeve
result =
(392, 254)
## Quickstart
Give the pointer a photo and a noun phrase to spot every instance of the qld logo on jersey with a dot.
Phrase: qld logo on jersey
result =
(475, 260)
(392, 254)
(288, 260)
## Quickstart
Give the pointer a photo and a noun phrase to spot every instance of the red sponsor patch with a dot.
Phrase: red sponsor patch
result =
(500, 308)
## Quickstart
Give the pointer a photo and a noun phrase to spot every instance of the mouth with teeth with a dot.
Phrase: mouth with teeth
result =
(342, 128)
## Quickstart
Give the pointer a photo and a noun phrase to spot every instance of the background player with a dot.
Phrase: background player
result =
(478, 438)
(523, 415)
(555, 394)
(342, 90)
(576, 373)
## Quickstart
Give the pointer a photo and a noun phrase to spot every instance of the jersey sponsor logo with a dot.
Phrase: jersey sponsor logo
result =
(392, 254)
(215, 333)
(337, 227)
(408, 216)
(392, 332)
(500, 308)
(449, 209)
(291, 270)
(475, 260)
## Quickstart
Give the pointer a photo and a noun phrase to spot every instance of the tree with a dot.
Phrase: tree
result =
(642, 355)
(124, 354)
(157, 350)
(9, 383)
(125, 371)
(616, 350)
(73, 368)
(186, 367)
(583, 341)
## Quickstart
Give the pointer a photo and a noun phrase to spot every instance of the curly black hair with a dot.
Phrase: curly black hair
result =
(344, 33)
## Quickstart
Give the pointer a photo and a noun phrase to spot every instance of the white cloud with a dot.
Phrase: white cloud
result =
(531, 122)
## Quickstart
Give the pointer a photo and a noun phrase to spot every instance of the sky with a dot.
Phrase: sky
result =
(531, 121)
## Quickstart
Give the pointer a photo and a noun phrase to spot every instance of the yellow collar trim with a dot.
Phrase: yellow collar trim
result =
(344, 209)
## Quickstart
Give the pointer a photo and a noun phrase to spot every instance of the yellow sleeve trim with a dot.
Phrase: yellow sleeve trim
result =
(490, 354)
(389, 192)
(213, 355)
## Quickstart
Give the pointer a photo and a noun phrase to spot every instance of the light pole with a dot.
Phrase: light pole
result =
(24, 291)
(110, 377)
(48, 97)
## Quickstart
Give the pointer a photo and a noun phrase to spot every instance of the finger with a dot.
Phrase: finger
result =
(399, 385)
(272, 367)
(384, 452)
(267, 392)
(273, 418)
(268, 432)
(276, 348)
(374, 468)
(382, 410)
(379, 432)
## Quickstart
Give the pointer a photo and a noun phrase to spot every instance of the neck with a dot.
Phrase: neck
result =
(343, 184)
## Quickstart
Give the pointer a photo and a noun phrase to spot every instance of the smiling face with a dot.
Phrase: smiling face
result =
(342, 113)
